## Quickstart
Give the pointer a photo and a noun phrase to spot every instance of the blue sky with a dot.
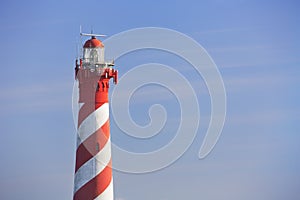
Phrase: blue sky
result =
(255, 46)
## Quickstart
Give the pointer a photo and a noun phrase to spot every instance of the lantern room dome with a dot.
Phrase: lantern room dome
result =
(93, 43)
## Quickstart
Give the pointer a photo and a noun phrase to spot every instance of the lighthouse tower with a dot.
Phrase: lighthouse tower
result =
(93, 168)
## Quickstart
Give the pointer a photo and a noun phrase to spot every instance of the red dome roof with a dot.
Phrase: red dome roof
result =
(93, 43)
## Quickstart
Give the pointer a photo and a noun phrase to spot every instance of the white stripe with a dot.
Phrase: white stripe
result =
(80, 105)
(93, 122)
(107, 194)
(92, 167)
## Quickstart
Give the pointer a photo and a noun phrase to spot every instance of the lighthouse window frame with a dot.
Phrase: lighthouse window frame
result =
(97, 147)
(93, 56)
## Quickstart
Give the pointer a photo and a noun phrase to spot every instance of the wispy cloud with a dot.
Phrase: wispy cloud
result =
(36, 97)
(223, 30)
(258, 117)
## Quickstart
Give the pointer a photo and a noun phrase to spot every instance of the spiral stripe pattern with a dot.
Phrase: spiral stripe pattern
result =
(93, 172)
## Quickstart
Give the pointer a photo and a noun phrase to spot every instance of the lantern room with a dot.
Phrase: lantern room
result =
(93, 53)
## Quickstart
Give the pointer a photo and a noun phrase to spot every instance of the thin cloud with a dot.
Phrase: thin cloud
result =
(36, 98)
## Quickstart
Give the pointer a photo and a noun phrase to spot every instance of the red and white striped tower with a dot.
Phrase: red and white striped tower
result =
(93, 170)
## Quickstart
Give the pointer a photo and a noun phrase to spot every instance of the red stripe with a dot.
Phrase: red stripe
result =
(84, 112)
(92, 145)
(95, 186)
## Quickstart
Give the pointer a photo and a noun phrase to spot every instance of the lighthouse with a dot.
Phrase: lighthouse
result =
(93, 168)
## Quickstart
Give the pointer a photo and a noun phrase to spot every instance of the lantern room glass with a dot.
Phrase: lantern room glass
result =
(93, 56)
